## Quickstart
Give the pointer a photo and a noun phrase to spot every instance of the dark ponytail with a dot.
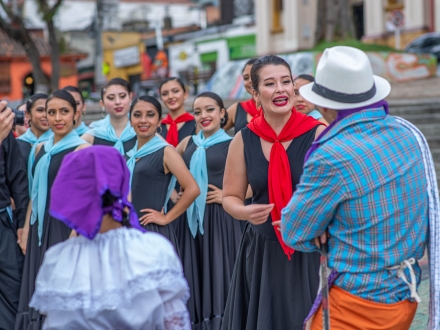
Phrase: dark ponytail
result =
(108, 200)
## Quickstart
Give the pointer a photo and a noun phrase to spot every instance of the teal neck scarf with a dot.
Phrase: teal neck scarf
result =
(107, 132)
(40, 184)
(153, 145)
(199, 170)
(30, 138)
(82, 129)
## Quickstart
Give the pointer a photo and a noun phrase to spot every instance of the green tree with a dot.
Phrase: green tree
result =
(13, 26)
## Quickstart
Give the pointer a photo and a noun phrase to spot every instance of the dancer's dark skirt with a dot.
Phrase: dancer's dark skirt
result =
(208, 261)
(267, 290)
(54, 231)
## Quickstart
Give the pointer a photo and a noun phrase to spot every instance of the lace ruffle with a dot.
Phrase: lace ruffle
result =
(49, 300)
(177, 321)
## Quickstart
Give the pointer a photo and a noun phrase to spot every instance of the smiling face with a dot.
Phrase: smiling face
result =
(37, 117)
(80, 106)
(247, 82)
(116, 101)
(145, 120)
(300, 103)
(61, 116)
(173, 95)
(275, 90)
(208, 115)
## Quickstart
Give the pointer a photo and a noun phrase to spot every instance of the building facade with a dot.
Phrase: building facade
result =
(287, 26)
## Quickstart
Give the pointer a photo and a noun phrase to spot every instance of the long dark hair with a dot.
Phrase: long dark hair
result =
(30, 103)
(115, 82)
(75, 90)
(250, 62)
(261, 63)
(219, 102)
(63, 95)
(148, 99)
(108, 200)
(305, 77)
(163, 82)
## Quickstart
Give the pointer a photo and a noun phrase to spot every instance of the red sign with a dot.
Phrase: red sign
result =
(397, 18)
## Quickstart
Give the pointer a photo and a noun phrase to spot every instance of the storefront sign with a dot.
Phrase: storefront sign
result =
(126, 57)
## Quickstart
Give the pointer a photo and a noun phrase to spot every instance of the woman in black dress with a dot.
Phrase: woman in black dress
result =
(209, 239)
(272, 287)
(115, 129)
(38, 130)
(153, 162)
(241, 113)
(178, 123)
(41, 231)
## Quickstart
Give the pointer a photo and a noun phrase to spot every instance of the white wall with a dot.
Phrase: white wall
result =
(437, 15)
(374, 17)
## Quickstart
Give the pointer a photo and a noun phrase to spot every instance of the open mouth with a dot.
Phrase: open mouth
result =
(280, 101)
(205, 123)
(143, 128)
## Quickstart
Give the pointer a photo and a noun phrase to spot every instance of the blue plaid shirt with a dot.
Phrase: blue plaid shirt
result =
(366, 184)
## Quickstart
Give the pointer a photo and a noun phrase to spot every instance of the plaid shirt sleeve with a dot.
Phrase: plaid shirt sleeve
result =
(313, 204)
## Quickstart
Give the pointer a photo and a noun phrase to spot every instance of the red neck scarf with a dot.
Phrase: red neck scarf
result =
(173, 135)
(279, 177)
(250, 107)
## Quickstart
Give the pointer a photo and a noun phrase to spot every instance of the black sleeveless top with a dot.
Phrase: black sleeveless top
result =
(150, 183)
(257, 168)
(25, 149)
(215, 160)
(128, 145)
(55, 164)
(188, 128)
(240, 118)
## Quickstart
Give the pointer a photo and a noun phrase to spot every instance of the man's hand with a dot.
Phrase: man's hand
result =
(6, 120)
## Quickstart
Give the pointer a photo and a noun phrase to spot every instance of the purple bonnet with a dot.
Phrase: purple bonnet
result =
(82, 180)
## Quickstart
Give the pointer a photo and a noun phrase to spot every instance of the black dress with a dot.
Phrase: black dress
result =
(240, 118)
(208, 260)
(240, 123)
(25, 149)
(267, 290)
(128, 145)
(188, 128)
(54, 231)
(13, 184)
(149, 189)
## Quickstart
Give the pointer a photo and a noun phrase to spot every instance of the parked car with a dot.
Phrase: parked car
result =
(428, 43)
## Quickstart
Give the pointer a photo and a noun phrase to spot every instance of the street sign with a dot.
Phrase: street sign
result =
(397, 18)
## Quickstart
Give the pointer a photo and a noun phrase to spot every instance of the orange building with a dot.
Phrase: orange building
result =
(16, 80)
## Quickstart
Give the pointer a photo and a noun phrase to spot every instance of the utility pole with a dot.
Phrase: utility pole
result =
(99, 77)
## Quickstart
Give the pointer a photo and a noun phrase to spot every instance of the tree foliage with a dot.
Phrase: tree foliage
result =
(13, 25)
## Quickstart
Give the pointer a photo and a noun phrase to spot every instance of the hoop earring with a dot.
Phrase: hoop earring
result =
(74, 123)
(222, 120)
(160, 130)
(103, 113)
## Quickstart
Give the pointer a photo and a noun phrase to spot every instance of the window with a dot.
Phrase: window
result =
(277, 10)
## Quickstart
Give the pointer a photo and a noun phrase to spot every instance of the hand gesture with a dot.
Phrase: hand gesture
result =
(215, 195)
(257, 214)
(153, 216)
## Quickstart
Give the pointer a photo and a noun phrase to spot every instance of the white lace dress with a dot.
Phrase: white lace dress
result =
(122, 279)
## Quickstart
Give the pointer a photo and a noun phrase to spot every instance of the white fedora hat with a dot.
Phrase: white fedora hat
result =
(344, 80)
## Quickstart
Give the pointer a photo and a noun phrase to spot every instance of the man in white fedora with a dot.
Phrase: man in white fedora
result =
(369, 184)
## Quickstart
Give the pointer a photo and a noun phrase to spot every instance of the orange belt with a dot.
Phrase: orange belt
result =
(349, 312)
